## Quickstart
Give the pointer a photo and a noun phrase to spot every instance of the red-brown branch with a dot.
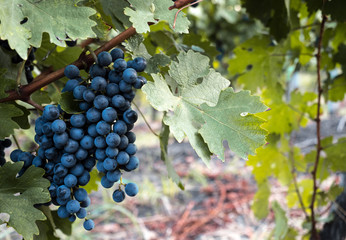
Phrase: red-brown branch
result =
(180, 3)
(314, 234)
(25, 91)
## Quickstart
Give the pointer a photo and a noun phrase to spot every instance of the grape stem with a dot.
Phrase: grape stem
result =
(16, 141)
(25, 91)
(188, 5)
(34, 104)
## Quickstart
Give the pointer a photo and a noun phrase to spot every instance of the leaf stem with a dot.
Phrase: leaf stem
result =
(314, 234)
(34, 104)
(145, 120)
(176, 14)
(16, 141)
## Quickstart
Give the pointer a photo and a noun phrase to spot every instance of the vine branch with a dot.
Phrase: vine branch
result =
(25, 91)
(314, 234)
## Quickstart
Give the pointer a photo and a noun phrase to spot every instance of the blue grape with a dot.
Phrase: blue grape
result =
(117, 53)
(71, 146)
(62, 201)
(124, 142)
(88, 96)
(120, 127)
(63, 192)
(140, 81)
(51, 153)
(118, 195)
(132, 164)
(71, 71)
(130, 75)
(104, 58)
(89, 163)
(112, 152)
(60, 140)
(78, 120)
(97, 71)
(88, 224)
(103, 128)
(113, 140)
(76, 133)
(84, 178)
(129, 95)
(70, 85)
(124, 86)
(123, 158)
(100, 154)
(93, 115)
(80, 194)
(70, 180)
(50, 112)
(68, 160)
(109, 164)
(120, 65)
(58, 126)
(26, 157)
(58, 180)
(52, 189)
(118, 101)
(101, 102)
(46, 142)
(78, 169)
(100, 142)
(37, 161)
(87, 142)
(114, 77)
(113, 176)
(100, 168)
(131, 149)
(60, 170)
(62, 212)
(81, 154)
(78, 92)
(49, 168)
(112, 89)
(82, 213)
(72, 206)
(92, 130)
(72, 218)
(85, 203)
(15, 154)
(130, 116)
(109, 114)
(139, 64)
(41, 153)
(84, 106)
(99, 84)
(131, 189)
(106, 183)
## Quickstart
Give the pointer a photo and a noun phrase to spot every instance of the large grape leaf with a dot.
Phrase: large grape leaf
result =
(8, 111)
(58, 18)
(261, 200)
(257, 63)
(5, 84)
(18, 196)
(232, 119)
(191, 96)
(118, 19)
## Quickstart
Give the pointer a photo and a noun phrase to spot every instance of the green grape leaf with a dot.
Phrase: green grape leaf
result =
(261, 200)
(5, 84)
(40, 97)
(57, 18)
(337, 89)
(163, 13)
(143, 13)
(8, 111)
(172, 174)
(23, 121)
(68, 103)
(232, 120)
(155, 61)
(275, 17)
(46, 231)
(118, 19)
(270, 161)
(339, 35)
(18, 195)
(58, 57)
(193, 39)
(305, 187)
(281, 225)
(101, 29)
(336, 9)
(340, 56)
(61, 223)
(256, 63)
(92, 184)
(335, 153)
(191, 96)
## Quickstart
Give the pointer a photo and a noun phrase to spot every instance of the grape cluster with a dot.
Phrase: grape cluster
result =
(4, 144)
(70, 145)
